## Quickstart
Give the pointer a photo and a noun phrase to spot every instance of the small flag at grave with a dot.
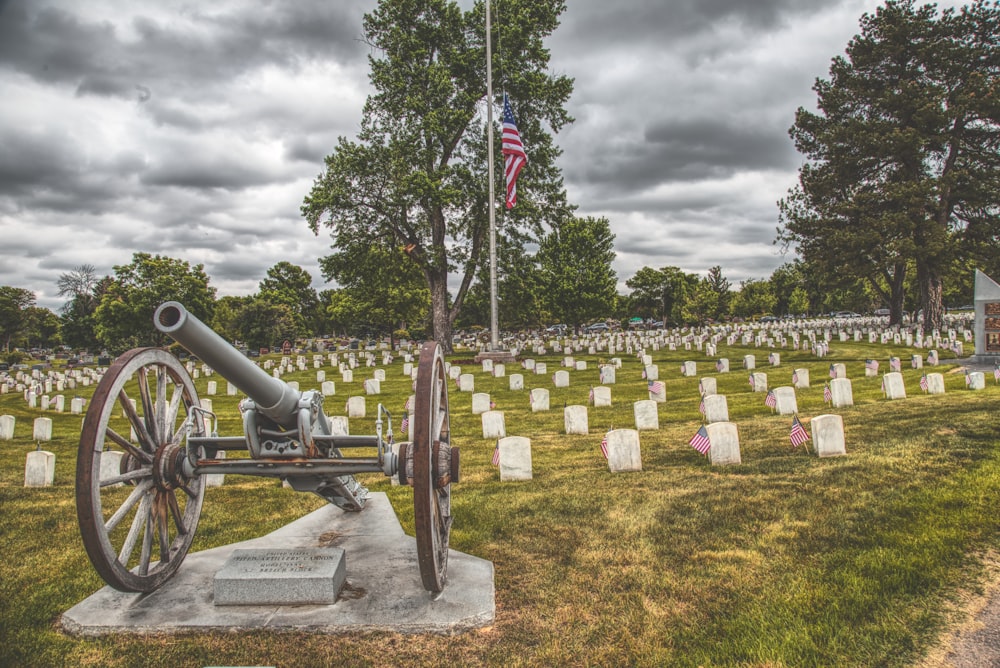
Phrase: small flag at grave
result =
(408, 404)
(827, 394)
(923, 382)
(496, 455)
(770, 400)
(604, 446)
(996, 373)
(833, 371)
(871, 365)
(590, 398)
(771, 358)
(404, 426)
(795, 378)
(753, 383)
(701, 388)
(656, 387)
(894, 364)
(798, 435)
(644, 374)
(700, 441)
(701, 407)
(718, 365)
(968, 378)
(493, 404)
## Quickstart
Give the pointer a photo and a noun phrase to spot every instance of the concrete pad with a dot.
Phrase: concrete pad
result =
(383, 591)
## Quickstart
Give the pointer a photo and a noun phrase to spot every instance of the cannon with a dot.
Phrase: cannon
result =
(147, 445)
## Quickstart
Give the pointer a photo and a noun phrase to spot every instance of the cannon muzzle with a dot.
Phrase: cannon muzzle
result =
(273, 398)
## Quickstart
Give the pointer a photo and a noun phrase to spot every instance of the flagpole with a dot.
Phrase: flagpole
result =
(494, 329)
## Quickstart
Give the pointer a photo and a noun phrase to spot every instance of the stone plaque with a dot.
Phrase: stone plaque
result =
(261, 576)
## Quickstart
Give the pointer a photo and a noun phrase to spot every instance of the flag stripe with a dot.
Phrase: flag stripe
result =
(513, 150)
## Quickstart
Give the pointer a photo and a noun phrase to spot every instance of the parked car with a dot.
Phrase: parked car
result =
(598, 327)
(882, 312)
(558, 330)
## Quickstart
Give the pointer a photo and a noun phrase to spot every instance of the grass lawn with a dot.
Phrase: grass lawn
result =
(784, 560)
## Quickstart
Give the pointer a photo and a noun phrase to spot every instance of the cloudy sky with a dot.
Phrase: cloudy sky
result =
(194, 130)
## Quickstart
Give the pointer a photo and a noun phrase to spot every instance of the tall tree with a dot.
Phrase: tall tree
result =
(124, 318)
(717, 283)
(416, 176)
(83, 288)
(902, 157)
(291, 285)
(578, 280)
(520, 303)
(15, 313)
(262, 323)
(661, 292)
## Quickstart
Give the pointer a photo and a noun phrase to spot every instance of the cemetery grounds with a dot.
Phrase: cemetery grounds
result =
(787, 559)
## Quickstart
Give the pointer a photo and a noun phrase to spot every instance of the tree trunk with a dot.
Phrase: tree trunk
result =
(437, 281)
(898, 293)
(931, 298)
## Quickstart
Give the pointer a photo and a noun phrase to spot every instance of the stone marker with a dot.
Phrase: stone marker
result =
(786, 403)
(575, 420)
(516, 381)
(540, 368)
(725, 440)
(800, 378)
(42, 430)
(716, 408)
(7, 423)
(646, 415)
(466, 383)
(480, 403)
(749, 362)
(935, 383)
(722, 365)
(561, 378)
(774, 359)
(356, 407)
(652, 372)
(892, 384)
(499, 370)
(213, 388)
(539, 399)
(607, 374)
(493, 425)
(328, 388)
(76, 405)
(828, 435)
(39, 469)
(916, 361)
(689, 369)
(841, 392)
(602, 396)
(373, 386)
(838, 370)
(339, 425)
(111, 461)
(977, 381)
(515, 458)
(623, 450)
(707, 386)
(657, 391)
(347, 376)
(759, 381)
(270, 576)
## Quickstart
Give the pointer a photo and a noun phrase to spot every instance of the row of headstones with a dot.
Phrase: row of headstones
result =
(623, 452)
(40, 469)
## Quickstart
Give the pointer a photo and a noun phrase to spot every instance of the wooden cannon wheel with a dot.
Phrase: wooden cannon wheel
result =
(435, 467)
(130, 490)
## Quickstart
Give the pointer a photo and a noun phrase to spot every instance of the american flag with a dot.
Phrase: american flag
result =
(496, 455)
(656, 386)
(923, 382)
(996, 373)
(718, 366)
(827, 394)
(894, 364)
(513, 150)
(404, 426)
(604, 446)
(968, 378)
(701, 407)
(753, 383)
(771, 358)
(833, 371)
(871, 364)
(408, 404)
(700, 441)
(770, 400)
(591, 397)
(795, 378)
(798, 434)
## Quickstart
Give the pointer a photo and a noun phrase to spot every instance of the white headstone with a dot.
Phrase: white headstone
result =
(347, 376)
(708, 386)
(213, 388)
(581, 365)
(892, 383)
(725, 439)
(602, 396)
(39, 468)
(42, 430)
(607, 374)
(722, 365)
(539, 399)
(111, 461)
(646, 415)
(516, 381)
(493, 425)
(7, 423)
(487, 366)
(561, 378)
(828, 435)
(759, 381)
(935, 383)
(216, 479)
(689, 369)
(466, 383)
(575, 420)
(373, 386)
(800, 378)
(540, 368)
(328, 388)
(623, 451)
(652, 372)
(480, 403)
(499, 370)
(786, 404)
(977, 380)
(716, 408)
(515, 458)
(356, 407)
(841, 392)
(749, 362)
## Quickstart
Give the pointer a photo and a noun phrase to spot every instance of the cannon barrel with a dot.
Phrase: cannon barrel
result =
(273, 398)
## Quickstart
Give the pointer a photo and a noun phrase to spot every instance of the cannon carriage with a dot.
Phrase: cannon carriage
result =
(147, 445)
